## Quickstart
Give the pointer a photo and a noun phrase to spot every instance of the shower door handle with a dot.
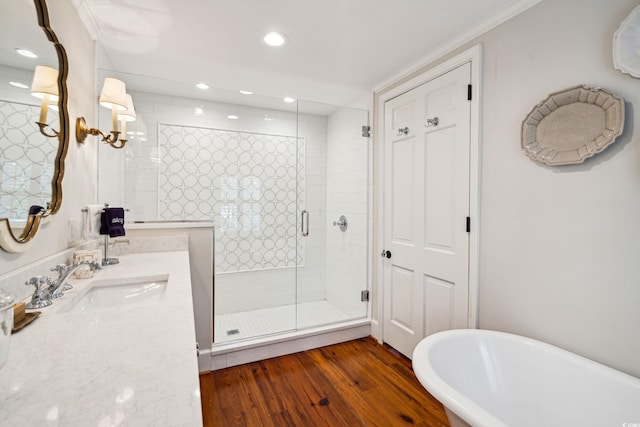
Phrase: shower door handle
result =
(304, 229)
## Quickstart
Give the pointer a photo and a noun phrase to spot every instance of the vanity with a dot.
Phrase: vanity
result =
(119, 348)
(108, 353)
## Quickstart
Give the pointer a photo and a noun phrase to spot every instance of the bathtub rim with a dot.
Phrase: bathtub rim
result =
(464, 407)
(452, 399)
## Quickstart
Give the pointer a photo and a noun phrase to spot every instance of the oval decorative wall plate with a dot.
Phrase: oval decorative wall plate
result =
(572, 125)
(626, 45)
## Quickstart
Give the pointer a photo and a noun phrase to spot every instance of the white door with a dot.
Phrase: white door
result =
(426, 205)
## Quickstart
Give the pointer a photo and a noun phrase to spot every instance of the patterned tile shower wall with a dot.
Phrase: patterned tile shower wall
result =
(251, 184)
(26, 161)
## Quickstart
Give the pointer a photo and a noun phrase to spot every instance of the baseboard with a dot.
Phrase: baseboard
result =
(376, 330)
(204, 360)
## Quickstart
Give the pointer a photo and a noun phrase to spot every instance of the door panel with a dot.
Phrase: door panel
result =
(401, 294)
(403, 228)
(402, 202)
(439, 164)
(438, 305)
(426, 202)
(404, 115)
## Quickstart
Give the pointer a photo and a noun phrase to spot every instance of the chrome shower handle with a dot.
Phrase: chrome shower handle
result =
(304, 230)
(342, 223)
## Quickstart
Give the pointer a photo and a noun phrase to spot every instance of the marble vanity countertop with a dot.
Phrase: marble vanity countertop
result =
(130, 365)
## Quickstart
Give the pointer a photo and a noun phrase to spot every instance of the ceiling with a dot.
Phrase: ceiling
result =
(19, 29)
(337, 50)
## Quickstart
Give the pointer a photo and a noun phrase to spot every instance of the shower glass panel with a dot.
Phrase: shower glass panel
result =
(252, 165)
(333, 271)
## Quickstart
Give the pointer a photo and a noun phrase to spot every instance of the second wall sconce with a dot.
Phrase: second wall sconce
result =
(113, 96)
(45, 87)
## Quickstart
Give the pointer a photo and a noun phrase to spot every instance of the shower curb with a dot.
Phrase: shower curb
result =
(226, 355)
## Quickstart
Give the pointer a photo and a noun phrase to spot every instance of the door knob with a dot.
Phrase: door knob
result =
(385, 254)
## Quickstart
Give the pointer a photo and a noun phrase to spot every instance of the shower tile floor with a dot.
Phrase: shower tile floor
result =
(265, 321)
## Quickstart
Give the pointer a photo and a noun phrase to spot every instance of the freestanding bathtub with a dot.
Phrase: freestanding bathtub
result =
(494, 379)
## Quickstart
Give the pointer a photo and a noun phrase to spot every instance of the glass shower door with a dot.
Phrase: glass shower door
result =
(332, 206)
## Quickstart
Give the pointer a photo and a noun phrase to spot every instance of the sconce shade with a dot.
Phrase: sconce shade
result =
(114, 93)
(113, 96)
(128, 115)
(45, 82)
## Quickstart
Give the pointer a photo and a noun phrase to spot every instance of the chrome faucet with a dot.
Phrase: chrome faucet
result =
(64, 272)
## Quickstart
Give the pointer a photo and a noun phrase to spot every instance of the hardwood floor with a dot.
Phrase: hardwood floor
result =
(358, 383)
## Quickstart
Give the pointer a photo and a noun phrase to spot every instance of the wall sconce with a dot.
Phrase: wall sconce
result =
(114, 96)
(45, 87)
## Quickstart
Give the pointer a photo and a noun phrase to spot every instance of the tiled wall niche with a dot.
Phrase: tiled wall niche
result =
(252, 184)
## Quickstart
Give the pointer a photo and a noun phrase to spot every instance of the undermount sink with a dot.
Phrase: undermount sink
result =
(120, 292)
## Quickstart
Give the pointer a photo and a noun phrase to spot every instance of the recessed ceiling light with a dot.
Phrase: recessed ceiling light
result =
(232, 117)
(20, 85)
(275, 39)
(26, 52)
(246, 92)
(198, 111)
(289, 99)
(202, 86)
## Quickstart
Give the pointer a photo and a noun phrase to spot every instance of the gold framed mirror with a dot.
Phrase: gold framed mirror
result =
(16, 233)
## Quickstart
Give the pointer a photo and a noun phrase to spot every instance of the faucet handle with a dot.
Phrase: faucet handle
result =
(36, 281)
(37, 300)
(60, 268)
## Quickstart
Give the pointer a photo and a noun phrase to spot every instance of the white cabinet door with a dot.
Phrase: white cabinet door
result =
(426, 205)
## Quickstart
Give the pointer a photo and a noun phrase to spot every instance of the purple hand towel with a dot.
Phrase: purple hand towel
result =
(112, 222)
(35, 210)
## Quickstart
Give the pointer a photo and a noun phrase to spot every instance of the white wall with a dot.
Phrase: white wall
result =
(559, 246)
(79, 185)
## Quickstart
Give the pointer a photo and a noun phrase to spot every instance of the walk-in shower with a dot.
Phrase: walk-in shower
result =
(286, 185)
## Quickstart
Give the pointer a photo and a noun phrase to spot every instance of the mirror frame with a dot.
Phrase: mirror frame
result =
(9, 241)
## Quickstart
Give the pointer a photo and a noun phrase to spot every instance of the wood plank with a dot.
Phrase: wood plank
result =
(398, 399)
(358, 383)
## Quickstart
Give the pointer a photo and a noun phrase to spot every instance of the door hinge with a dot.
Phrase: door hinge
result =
(468, 224)
(469, 92)
(366, 131)
(364, 295)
